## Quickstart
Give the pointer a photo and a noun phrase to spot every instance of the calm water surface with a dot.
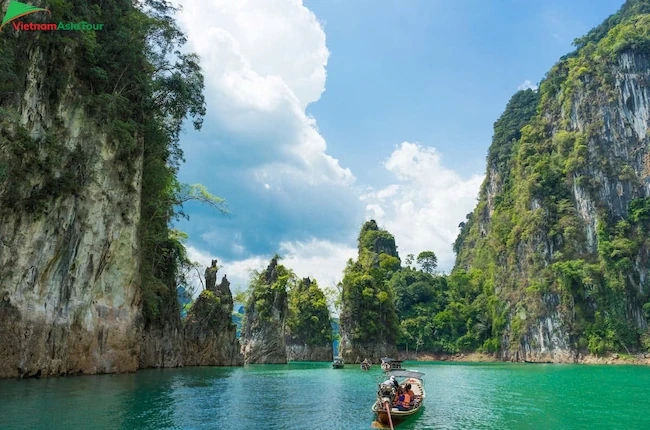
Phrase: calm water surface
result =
(314, 396)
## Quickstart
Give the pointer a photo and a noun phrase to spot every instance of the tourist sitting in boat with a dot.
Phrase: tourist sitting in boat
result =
(410, 393)
(403, 401)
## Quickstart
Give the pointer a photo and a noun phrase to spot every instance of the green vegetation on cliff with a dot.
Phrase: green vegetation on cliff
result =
(137, 88)
(527, 241)
(368, 308)
(268, 292)
(308, 321)
(263, 331)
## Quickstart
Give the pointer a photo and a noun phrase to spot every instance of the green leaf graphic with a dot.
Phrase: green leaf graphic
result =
(17, 9)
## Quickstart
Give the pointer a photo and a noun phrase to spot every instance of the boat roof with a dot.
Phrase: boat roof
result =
(405, 374)
(391, 360)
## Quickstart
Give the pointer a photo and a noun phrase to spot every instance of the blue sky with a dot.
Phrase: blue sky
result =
(324, 113)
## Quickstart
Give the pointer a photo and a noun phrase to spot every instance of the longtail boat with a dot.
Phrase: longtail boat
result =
(387, 392)
(388, 364)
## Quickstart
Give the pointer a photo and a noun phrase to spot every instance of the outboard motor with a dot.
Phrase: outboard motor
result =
(386, 393)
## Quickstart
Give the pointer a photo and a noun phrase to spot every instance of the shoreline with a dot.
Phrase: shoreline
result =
(616, 359)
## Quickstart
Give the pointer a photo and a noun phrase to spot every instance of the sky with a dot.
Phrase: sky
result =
(322, 114)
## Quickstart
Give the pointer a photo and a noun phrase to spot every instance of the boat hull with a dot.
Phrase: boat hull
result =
(397, 416)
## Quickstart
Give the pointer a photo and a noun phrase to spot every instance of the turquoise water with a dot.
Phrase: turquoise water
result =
(314, 396)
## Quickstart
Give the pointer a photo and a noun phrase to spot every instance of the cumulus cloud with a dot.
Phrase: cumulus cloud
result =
(527, 85)
(264, 62)
(425, 205)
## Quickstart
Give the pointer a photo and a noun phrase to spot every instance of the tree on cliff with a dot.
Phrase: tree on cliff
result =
(369, 323)
(427, 261)
(308, 321)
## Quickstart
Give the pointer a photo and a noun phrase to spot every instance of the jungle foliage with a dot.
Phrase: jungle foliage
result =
(367, 300)
(308, 321)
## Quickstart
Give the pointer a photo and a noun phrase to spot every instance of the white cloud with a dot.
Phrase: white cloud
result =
(527, 85)
(424, 208)
(264, 62)
(238, 272)
(318, 259)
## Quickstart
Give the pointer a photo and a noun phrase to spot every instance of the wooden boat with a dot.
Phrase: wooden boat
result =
(388, 364)
(386, 394)
(338, 363)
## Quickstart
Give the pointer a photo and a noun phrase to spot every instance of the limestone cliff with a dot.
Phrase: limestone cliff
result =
(210, 335)
(309, 330)
(69, 217)
(560, 231)
(263, 333)
(369, 324)
(89, 265)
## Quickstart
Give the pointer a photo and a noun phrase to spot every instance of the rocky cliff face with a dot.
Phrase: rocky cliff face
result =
(69, 271)
(374, 350)
(561, 226)
(210, 335)
(80, 139)
(305, 352)
(263, 333)
(162, 343)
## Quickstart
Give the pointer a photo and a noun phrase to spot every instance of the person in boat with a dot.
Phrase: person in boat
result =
(409, 391)
(403, 401)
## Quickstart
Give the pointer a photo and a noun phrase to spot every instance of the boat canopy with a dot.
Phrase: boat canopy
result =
(405, 374)
(391, 360)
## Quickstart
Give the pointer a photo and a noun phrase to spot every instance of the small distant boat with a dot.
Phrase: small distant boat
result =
(386, 394)
(538, 362)
(338, 363)
(366, 365)
(388, 364)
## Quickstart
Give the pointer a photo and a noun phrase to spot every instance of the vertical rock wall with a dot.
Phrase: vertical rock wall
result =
(69, 266)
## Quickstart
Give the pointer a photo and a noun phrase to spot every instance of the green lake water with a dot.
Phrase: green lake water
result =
(315, 396)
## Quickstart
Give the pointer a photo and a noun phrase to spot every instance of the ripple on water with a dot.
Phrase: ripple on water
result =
(315, 396)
